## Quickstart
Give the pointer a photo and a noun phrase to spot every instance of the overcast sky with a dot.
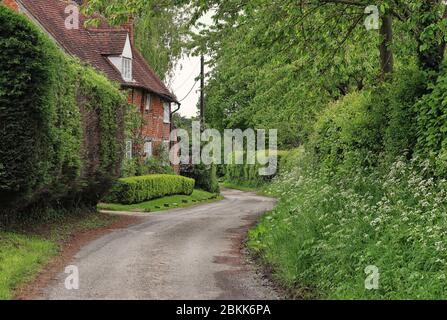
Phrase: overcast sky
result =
(188, 69)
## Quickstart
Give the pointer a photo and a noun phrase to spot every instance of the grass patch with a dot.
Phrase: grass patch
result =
(165, 203)
(21, 257)
(25, 250)
(241, 187)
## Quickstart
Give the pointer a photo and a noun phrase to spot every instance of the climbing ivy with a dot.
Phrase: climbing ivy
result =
(47, 100)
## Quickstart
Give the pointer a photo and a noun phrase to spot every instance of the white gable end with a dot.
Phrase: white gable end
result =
(122, 62)
(127, 51)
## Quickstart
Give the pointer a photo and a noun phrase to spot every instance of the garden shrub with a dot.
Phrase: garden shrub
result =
(139, 189)
(59, 121)
(205, 176)
(159, 163)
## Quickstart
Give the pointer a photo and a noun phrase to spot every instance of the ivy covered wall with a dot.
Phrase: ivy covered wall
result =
(61, 122)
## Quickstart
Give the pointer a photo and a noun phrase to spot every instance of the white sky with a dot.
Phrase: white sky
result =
(188, 69)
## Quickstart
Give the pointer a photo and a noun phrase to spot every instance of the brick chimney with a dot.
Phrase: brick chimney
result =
(130, 28)
(11, 4)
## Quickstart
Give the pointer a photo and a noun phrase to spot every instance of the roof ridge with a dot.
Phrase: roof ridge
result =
(87, 44)
(157, 78)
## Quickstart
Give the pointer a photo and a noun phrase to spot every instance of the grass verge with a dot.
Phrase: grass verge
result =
(25, 251)
(165, 203)
(331, 237)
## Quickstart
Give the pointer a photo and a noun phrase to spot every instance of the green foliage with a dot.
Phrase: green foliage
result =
(397, 99)
(153, 165)
(46, 155)
(159, 163)
(39, 118)
(105, 99)
(159, 35)
(326, 230)
(432, 126)
(139, 189)
(348, 132)
(205, 176)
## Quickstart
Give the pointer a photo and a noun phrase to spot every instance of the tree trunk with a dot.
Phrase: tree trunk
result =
(386, 52)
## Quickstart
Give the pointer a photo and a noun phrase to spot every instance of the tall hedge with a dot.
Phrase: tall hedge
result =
(49, 106)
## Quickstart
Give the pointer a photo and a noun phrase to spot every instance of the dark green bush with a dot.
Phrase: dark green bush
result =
(139, 189)
(432, 126)
(397, 99)
(59, 122)
(205, 176)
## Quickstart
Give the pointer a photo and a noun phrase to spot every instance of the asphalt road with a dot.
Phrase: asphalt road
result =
(192, 253)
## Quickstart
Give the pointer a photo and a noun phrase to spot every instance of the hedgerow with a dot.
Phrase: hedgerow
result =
(249, 174)
(135, 190)
(432, 126)
(51, 106)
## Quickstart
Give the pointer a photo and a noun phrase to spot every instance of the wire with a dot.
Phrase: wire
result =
(189, 91)
(187, 79)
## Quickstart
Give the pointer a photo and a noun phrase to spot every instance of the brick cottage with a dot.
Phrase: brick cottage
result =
(111, 51)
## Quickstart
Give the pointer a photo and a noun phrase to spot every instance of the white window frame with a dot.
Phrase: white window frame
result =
(166, 112)
(129, 150)
(147, 106)
(126, 69)
(148, 149)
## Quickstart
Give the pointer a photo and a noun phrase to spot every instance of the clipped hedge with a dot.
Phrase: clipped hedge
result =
(139, 189)
(60, 123)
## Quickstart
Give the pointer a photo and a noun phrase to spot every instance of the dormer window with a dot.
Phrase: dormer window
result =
(127, 69)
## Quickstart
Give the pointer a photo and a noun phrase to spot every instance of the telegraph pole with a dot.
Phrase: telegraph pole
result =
(202, 92)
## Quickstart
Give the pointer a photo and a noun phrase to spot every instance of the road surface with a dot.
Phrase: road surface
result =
(193, 253)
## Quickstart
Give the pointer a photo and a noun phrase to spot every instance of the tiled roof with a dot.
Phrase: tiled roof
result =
(93, 45)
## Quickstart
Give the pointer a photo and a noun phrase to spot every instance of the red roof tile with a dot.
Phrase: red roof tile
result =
(93, 45)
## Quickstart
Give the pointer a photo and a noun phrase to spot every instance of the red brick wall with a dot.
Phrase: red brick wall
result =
(153, 124)
(11, 4)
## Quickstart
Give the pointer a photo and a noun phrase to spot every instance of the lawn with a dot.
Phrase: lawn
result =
(24, 252)
(165, 203)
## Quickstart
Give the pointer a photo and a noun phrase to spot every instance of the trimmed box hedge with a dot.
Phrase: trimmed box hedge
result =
(140, 189)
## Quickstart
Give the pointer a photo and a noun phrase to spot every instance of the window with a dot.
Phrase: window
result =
(129, 149)
(148, 103)
(167, 112)
(127, 69)
(148, 149)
